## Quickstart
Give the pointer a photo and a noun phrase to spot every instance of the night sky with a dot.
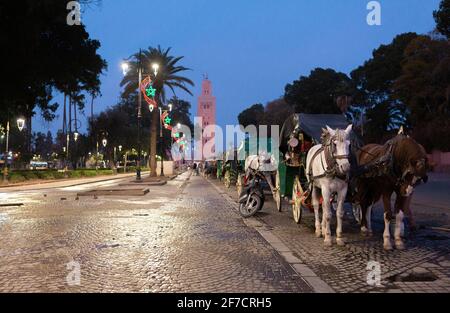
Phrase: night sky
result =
(250, 48)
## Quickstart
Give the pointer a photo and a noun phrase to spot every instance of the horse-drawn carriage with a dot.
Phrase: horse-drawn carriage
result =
(322, 164)
(289, 180)
(299, 134)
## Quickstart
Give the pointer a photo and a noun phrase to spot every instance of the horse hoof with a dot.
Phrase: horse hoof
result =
(328, 243)
(340, 242)
(387, 246)
(318, 234)
(399, 245)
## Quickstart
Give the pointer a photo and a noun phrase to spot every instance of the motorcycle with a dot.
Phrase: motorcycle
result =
(252, 198)
(258, 171)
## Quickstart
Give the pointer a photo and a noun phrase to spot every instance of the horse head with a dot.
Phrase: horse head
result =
(339, 141)
(416, 168)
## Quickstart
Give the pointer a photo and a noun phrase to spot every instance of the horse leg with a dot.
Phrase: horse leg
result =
(368, 217)
(340, 215)
(409, 214)
(387, 245)
(400, 204)
(326, 219)
(315, 203)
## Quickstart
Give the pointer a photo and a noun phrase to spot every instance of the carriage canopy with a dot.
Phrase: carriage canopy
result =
(311, 125)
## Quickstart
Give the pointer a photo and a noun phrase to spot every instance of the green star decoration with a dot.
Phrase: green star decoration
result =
(150, 91)
(167, 120)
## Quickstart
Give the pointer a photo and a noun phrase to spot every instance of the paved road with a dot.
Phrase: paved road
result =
(181, 237)
(187, 237)
(423, 267)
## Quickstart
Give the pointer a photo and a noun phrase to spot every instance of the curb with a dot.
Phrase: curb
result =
(306, 273)
(40, 185)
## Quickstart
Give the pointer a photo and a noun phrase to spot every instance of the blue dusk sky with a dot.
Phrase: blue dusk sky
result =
(250, 48)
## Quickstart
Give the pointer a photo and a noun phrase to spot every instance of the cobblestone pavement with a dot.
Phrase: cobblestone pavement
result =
(181, 237)
(423, 267)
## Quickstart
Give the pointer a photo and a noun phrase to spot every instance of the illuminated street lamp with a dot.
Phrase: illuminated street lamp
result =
(20, 123)
(125, 68)
(75, 136)
(104, 142)
(155, 67)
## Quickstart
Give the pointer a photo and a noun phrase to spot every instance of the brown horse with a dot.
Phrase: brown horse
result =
(404, 166)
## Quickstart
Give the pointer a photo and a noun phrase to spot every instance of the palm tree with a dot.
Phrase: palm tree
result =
(167, 77)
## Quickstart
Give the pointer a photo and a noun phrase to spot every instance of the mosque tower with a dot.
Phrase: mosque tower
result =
(206, 109)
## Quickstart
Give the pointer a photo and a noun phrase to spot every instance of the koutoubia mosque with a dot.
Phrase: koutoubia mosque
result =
(206, 109)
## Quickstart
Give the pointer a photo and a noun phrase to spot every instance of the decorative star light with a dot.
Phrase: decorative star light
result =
(150, 91)
(167, 120)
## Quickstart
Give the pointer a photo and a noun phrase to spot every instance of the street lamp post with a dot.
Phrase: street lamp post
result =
(20, 126)
(169, 107)
(125, 68)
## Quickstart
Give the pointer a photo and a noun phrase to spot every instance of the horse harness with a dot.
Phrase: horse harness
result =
(384, 165)
(331, 167)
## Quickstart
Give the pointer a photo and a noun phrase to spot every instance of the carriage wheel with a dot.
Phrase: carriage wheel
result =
(239, 185)
(277, 192)
(297, 193)
(226, 179)
(357, 212)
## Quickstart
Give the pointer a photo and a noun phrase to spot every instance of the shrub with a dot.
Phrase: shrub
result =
(74, 174)
(58, 175)
(105, 172)
(45, 174)
(16, 178)
(30, 175)
(88, 173)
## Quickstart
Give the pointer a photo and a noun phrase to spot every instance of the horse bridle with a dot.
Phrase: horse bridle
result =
(332, 167)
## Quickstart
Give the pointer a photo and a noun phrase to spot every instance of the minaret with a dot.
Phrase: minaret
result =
(206, 108)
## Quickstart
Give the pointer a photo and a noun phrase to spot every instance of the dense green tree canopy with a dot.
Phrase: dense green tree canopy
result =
(318, 92)
(254, 115)
(41, 53)
(375, 83)
(424, 86)
(442, 18)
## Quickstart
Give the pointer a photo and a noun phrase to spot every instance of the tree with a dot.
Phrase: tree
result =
(168, 77)
(252, 116)
(277, 112)
(43, 144)
(43, 54)
(424, 86)
(375, 85)
(442, 18)
(318, 92)
(120, 123)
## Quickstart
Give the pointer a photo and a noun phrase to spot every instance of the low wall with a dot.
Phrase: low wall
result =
(440, 160)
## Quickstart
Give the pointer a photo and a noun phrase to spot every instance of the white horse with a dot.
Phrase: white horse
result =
(327, 168)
